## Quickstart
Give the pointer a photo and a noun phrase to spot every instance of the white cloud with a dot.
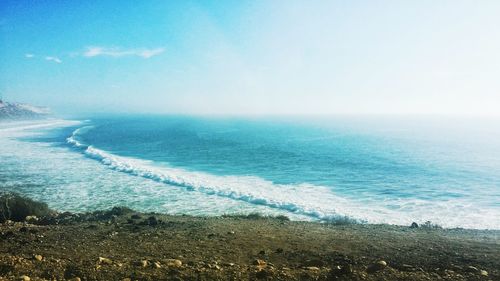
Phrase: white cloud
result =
(54, 59)
(95, 51)
(29, 56)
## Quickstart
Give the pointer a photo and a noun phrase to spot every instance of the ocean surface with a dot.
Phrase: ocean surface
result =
(374, 169)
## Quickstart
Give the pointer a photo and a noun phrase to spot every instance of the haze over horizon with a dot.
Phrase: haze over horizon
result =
(253, 57)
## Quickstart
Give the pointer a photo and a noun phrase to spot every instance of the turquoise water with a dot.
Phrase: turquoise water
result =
(376, 169)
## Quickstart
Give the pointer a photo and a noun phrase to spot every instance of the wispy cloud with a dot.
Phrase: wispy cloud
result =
(54, 59)
(95, 51)
(29, 56)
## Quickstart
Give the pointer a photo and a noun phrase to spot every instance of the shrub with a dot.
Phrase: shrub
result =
(256, 216)
(430, 225)
(16, 207)
(341, 220)
(115, 211)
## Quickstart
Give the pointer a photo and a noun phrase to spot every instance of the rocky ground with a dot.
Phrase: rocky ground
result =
(125, 245)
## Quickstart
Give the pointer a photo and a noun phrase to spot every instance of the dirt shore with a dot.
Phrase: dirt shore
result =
(125, 245)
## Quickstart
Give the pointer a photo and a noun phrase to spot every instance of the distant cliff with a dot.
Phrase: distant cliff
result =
(18, 111)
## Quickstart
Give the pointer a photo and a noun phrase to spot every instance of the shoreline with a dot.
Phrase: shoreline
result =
(300, 201)
(120, 243)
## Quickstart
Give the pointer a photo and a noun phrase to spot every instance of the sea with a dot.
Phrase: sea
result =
(360, 168)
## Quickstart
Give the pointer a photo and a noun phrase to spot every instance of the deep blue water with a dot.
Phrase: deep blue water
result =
(370, 168)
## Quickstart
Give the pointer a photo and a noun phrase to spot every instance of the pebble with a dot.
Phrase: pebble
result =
(144, 263)
(312, 268)
(25, 278)
(259, 262)
(105, 261)
(31, 219)
(38, 257)
(483, 273)
(76, 279)
(379, 265)
(157, 264)
(173, 262)
(341, 270)
(471, 269)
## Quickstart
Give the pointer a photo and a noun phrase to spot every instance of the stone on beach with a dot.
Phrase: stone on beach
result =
(471, 268)
(144, 263)
(259, 262)
(173, 262)
(105, 261)
(379, 265)
(31, 219)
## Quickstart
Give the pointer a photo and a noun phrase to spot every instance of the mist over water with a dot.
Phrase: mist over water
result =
(376, 169)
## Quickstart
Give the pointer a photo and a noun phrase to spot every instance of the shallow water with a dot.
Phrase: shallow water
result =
(370, 168)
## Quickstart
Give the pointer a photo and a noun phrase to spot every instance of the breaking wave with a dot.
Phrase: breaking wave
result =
(292, 198)
(305, 200)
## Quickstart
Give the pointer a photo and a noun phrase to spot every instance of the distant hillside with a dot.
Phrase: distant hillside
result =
(17, 111)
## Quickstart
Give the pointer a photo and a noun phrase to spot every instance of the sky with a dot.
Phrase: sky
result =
(253, 57)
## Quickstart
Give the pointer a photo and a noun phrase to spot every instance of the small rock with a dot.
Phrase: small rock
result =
(376, 266)
(471, 269)
(157, 264)
(230, 232)
(259, 262)
(25, 278)
(126, 279)
(173, 262)
(312, 268)
(105, 261)
(31, 219)
(38, 257)
(414, 225)
(341, 270)
(483, 273)
(153, 220)
(144, 263)
(76, 279)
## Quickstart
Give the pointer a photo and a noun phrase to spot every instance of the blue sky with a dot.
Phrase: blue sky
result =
(253, 57)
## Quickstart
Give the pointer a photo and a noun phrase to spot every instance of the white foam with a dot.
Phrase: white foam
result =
(317, 202)
(19, 126)
(73, 138)
(293, 198)
(70, 181)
